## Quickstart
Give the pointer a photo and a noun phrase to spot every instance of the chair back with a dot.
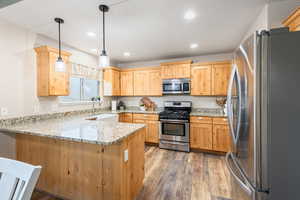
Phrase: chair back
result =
(17, 179)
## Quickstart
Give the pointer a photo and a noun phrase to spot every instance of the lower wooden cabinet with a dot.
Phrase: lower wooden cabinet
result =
(221, 138)
(151, 121)
(201, 136)
(210, 134)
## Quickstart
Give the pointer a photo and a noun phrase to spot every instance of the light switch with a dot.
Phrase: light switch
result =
(126, 155)
(4, 111)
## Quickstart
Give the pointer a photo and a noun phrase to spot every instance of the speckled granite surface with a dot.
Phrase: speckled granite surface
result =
(76, 128)
(206, 112)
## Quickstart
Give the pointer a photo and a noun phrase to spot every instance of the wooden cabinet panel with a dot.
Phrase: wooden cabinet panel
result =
(203, 120)
(221, 138)
(126, 82)
(220, 78)
(111, 78)
(126, 117)
(167, 72)
(201, 136)
(152, 131)
(155, 83)
(201, 80)
(141, 83)
(293, 21)
(220, 120)
(182, 71)
(152, 117)
(50, 82)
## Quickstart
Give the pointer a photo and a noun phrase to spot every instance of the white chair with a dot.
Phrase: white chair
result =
(17, 179)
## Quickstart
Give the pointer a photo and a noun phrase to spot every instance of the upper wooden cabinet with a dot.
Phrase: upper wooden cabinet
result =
(220, 78)
(147, 82)
(50, 82)
(293, 21)
(201, 80)
(111, 77)
(176, 70)
(126, 81)
(210, 78)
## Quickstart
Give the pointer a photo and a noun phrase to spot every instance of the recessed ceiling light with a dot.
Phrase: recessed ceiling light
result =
(189, 15)
(91, 34)
(126, 54)
(194, 46)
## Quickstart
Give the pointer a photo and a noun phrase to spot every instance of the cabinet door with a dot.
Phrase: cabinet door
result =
(58, 81)
(182, 71)
(155, 83)
(116, 83)
(220, 79)
(201, 80)
(221, 138)
(126, 82)
(111, 82)
(141, 83)
(152, 131)
(201, 136)
(167, 72)
(125, 117)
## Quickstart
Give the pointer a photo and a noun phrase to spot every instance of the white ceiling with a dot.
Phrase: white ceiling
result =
(148, 29)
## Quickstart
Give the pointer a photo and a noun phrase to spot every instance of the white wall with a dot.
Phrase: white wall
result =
(18, 71)
(202, 58)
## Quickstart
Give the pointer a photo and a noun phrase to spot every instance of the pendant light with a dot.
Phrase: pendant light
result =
(103, 59)
(59, 65)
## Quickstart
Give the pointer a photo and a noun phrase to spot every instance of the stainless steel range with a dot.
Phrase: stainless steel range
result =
(174, 126)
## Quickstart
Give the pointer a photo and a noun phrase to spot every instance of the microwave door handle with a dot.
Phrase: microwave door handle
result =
(245, 186)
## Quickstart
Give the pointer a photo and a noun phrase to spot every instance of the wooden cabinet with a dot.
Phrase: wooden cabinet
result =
(201, 80)
(220, 78)
(147, 83)
(221, 138)
(50, 82)
(293, 21)
(176, 70)
(210, 78)
(201, 136)
(126, 81)
(152, 126)
(111, 77)
(210, 134)
(125, 117)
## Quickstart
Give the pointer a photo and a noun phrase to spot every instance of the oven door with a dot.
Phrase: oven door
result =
(172, 87)
(174, 130)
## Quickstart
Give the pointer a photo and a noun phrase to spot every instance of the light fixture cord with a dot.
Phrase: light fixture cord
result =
(59, 42)
(103, 30)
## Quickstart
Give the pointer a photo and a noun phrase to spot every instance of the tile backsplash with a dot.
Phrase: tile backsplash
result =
(198, 102)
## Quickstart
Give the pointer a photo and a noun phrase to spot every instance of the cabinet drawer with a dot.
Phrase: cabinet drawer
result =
(125, 117)
(151, 117)
(220, 120)
(202, 120)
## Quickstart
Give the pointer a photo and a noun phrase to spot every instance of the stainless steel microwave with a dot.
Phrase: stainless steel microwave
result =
(176, 86)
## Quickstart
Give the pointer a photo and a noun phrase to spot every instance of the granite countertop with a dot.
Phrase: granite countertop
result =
(77, 128)
(207, 114)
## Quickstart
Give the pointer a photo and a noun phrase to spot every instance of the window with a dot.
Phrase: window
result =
(81, 89)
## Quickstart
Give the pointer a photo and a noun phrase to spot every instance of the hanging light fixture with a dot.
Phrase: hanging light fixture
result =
(59, 65)
(103, 59)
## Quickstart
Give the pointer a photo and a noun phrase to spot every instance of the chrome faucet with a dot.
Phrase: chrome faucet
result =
(95, 100)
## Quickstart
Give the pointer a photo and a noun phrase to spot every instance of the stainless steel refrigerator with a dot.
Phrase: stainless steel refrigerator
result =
(264, 117)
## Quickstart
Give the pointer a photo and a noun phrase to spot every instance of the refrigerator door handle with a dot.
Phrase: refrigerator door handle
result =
(235, 136)
(245, 185)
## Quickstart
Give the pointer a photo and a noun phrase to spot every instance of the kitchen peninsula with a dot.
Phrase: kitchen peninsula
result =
(83, 158)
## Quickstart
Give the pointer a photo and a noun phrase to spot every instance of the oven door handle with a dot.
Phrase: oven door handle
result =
(174, 121)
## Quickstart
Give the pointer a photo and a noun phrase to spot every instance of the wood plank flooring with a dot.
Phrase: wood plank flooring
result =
(172, 175)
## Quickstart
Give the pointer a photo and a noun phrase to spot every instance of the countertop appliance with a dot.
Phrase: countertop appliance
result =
(174, 126)
(263, 112)
(176, 86)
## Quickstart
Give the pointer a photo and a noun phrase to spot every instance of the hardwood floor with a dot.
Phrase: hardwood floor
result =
(172, 175)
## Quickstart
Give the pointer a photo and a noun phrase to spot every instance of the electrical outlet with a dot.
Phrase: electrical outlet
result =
(126, 155)
(4, 111)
